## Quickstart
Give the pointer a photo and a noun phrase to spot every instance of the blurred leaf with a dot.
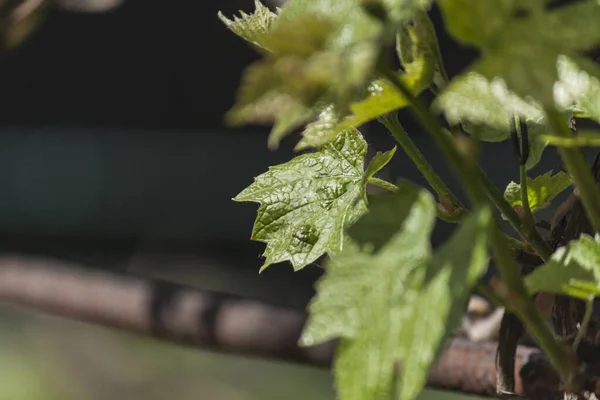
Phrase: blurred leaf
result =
(578, 89)
(486, 109)
(572, 270)
(382, 99)
(418, 49)
(322, 53)
(523, 50)
(540, 190)
(372, 298)
(386, 216)
(379, 161)
(306, 203)
(18, 23)
(251, 27)
(422, 61)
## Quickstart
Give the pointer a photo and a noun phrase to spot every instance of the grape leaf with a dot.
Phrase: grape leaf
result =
(486, 109)
(251, 27)
(392, 301)
(322, 53)
(306, 203)
(572, 270)
(379, 161)
(578, 89)
(523, 50)
(540, 190)
(382, 98)
(418, 50)
(422, 64)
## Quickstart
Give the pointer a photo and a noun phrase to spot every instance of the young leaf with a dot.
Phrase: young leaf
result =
(523, 51)
(321, 52)
(306, 203)
(379, 161)
(392, 302)
(254, 27)
(382, 98)
(418, 50)
(570, 270)
(422, 63)
(540, 190)
(486, 109)
(578, 89)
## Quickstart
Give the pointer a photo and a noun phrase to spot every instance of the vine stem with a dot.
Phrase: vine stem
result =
(390, 121)
(527, 214)
(518, 298)
(578, 168)
(383, 184)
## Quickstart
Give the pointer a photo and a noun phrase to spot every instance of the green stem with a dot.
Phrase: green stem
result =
(441, 213)
(390, 121)
(589, 308)
(383, 184)
(578, 168)
(530, 233)
(516, 291)
(527, 214)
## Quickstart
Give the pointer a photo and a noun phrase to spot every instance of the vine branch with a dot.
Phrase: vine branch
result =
(212, 321)
(520, 301)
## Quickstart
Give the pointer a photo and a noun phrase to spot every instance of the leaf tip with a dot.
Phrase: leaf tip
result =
(273, 143)
(306, 340)
(264, 266)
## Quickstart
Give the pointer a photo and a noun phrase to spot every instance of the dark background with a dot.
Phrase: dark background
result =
(112, 139)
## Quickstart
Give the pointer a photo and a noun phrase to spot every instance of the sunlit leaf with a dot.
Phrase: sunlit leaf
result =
(419, 52)
(486, 109)
(379, 161)
(540, 190)
(572, 270)
(321, 53)
(523, 50)
(578, 89)
(306, 203)
(251, 27)
(392, 301)
(382, 98)
(422, 63)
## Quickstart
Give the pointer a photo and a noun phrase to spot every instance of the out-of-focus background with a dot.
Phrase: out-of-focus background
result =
(113, 153)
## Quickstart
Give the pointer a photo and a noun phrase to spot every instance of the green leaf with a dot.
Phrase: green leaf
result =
(523, 50)
(486, 109)
(387, 213)
(382, 98)
(487, 105)
(540, 190)
(306, 203)
(578, 89)
(418, 49)
(572, 270)
(322, 53)
(379, 161)
(254, 27)
(393, 301)
(422, 63)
